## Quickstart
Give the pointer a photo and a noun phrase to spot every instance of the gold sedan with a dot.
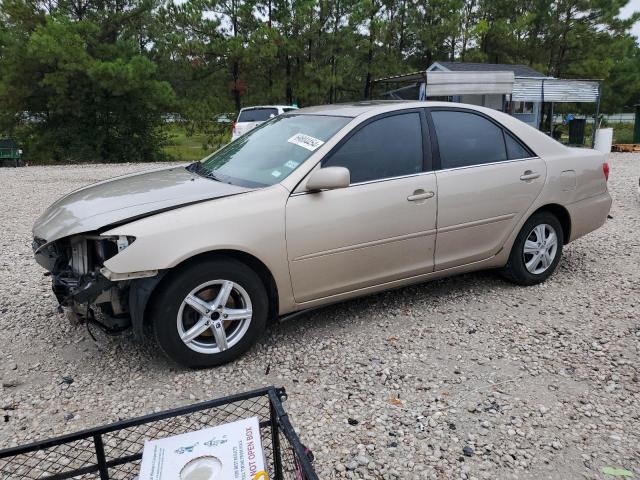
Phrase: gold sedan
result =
(313, 207)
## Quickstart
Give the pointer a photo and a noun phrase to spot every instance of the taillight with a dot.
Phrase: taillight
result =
(233, 127)
(605, 170)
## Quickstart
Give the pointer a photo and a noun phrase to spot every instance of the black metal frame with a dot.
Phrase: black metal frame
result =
(274, 419)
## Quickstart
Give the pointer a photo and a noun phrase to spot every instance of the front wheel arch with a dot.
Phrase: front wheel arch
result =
(202, 320)
(142, 291)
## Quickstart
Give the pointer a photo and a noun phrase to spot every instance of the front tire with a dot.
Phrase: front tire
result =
(209, 313)
(536, 251)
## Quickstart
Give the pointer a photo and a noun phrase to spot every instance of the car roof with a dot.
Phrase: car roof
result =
(267, 106)
(536, 140)
(355, 109)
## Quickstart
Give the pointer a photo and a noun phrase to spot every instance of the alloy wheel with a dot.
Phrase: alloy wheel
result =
(214, 316)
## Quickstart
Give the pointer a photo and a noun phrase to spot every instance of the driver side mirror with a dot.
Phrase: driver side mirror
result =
(328, 178)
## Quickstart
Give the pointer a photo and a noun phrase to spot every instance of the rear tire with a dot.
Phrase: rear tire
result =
(194, 331)
(536, 251)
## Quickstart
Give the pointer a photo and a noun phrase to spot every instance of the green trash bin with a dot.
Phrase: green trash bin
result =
(10, 153)
(636, 127)
(576, 131)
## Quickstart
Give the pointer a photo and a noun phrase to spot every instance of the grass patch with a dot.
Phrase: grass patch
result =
(183, 145)
(622, 132)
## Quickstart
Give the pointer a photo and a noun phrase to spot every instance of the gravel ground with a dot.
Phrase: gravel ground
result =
(468, 377)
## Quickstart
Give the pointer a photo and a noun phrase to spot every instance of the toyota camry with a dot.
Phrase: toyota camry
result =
(313, 207)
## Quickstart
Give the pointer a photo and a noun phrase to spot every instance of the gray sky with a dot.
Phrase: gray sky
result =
(632, 6)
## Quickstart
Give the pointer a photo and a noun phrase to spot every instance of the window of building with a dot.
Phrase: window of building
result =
(525, 108)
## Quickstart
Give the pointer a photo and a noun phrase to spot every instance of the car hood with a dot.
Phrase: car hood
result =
(127, 198)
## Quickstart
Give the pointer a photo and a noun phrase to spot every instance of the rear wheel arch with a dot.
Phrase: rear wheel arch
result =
(563, 216)
(536, 250)
(142, 293)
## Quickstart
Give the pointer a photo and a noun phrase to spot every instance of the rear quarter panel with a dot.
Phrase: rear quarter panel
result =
(575, 175)
(575, 180)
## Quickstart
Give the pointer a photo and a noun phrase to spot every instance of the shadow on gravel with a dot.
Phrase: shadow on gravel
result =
(395, 301)
(398, 302)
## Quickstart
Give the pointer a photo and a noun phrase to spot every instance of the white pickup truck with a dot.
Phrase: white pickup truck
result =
(250, 117)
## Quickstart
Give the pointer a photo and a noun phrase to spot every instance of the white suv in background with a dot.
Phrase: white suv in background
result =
(250, 117)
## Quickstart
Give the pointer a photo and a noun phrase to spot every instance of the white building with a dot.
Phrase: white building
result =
(516, 89)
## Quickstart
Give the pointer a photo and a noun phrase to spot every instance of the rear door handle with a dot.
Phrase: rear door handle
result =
(420, 195)
(529, 175)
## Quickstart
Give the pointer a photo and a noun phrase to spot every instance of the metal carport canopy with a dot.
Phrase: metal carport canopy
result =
(473, 83)
(555, 90)
(443, 84)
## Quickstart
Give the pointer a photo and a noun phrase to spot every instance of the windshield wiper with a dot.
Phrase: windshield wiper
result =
(196, 167)
(199, 169)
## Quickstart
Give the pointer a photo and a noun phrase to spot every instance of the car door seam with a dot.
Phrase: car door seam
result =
(435, 241)
(286, 245)
(532, 207)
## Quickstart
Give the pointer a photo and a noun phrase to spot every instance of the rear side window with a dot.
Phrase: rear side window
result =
(385, 148)
(257, 114)
(467, 139)
(288, 109)
(515, 150)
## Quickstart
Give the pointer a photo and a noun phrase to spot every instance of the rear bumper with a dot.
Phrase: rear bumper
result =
(589, 214)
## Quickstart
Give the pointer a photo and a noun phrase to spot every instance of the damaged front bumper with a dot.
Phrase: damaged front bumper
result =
(82, 285)
(80, 290)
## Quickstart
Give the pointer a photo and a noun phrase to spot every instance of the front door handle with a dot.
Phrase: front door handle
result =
(529, 175)
(420, 195)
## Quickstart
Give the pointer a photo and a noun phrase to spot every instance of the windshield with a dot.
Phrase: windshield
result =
(268, 154)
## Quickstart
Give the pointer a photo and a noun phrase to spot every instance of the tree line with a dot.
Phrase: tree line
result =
(93, 80)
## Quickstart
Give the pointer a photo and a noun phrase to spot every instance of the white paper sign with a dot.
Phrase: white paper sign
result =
(229, 452)
(305, 141)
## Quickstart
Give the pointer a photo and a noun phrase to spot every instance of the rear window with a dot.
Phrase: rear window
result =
(257, 114)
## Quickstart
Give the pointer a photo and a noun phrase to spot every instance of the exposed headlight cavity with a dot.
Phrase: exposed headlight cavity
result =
(91, 251)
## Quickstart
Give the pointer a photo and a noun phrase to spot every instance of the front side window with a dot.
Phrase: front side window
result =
(385, 148)
(268, 154)
(467, 139)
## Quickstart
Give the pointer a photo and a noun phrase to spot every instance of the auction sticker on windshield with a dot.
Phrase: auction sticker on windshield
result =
(305, 141)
